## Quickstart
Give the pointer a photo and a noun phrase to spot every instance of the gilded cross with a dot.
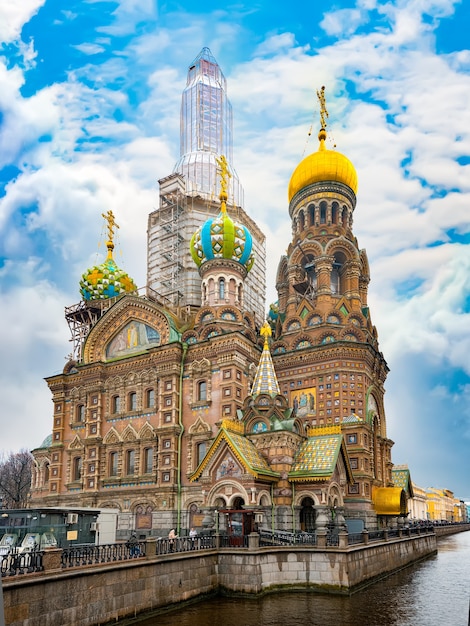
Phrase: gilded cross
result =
(224, 174)
(265, 332)
(109, 217)
(323, 110)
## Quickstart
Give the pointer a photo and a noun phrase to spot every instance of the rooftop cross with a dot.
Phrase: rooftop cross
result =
(323, 110)
(265, 332)
(224, 176)
(109, 217)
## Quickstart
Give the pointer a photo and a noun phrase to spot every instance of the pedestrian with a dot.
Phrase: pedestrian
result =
(193, 536)
(171, 539)
(133, 545)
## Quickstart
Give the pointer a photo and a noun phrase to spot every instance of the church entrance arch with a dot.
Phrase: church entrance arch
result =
(238, 522)
(307, 515)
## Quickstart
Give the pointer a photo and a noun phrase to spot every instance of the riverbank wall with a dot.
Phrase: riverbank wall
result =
(94, 595)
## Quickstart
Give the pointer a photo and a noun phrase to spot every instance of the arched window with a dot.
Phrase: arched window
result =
(308, 264)
(132, 402)
(311, 215)
(221, 288)
(202, 390)
(334, 212)
(113, 464)
(130, 462)
(150, 398)
(337, 271)
(201, 451)
(77, 468)
(335, 279)
(46, 472)
(322, 212)
(80, 413)
(116, 404)
(148, 460)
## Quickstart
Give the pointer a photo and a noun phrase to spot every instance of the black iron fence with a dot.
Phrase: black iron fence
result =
(185, 544)
(16, 563)
(284, 538)
(107, 553)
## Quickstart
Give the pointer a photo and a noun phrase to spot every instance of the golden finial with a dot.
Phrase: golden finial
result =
(224, 176)
(111, 225)
(265, 332)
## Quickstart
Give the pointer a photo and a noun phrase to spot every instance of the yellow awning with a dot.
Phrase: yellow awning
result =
(389, 501)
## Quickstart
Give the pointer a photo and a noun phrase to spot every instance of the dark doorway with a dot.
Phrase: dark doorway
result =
(307, 516)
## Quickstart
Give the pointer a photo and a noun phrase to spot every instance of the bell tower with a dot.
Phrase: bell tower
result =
(325, 347)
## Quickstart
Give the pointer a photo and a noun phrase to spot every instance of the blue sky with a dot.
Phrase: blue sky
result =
(89, 121)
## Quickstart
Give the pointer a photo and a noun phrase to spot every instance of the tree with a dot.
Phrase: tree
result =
(15, 479)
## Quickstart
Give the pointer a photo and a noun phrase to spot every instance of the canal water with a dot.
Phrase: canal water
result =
(435, 592)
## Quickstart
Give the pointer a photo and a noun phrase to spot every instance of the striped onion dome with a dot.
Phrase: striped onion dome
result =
(222, 238)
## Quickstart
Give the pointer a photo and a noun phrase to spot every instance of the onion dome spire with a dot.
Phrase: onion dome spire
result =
(265, 378)
(221, 237)
(324, 165)
(106, 280)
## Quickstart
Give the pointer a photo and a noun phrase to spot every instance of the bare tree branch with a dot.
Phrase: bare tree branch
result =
(15, 479)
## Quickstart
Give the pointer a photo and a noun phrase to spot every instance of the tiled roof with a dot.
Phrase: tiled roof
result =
(317, 457)
(265, 379)
(243, 449)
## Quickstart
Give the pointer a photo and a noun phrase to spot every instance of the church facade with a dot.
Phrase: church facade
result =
(194, 411)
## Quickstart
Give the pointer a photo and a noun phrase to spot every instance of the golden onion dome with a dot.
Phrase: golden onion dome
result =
(322, 166)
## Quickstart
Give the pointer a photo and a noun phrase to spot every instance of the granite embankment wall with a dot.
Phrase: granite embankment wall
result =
(102, 594)
(450, 529)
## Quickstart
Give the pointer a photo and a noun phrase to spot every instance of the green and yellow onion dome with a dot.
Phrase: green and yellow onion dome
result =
(222, 238)
(321, 166)
(106, 280)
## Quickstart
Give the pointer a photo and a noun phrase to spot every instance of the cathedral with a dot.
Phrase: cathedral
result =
(185, 404)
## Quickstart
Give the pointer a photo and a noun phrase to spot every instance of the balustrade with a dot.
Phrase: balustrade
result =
(19, 563)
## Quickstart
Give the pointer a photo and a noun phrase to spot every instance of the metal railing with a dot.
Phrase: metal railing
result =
(16, 563)
(185, 544)
(237, 541)
(284, 538)
(76, 556)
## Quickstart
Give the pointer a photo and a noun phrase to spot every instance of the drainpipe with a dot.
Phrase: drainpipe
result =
(272, 507)
(180, 436)
(293, 508)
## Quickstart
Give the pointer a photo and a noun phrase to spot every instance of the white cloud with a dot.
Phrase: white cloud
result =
(404, 133)
(14, 15)
(89, 48)
(342, 22)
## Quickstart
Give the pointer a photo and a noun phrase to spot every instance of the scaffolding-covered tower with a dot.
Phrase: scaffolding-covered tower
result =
(189, 196)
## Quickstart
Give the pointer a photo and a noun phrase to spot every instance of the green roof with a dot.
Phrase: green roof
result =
(317, 457)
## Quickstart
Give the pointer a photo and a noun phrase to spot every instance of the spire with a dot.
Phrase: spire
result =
(265, 379)
(206, 130)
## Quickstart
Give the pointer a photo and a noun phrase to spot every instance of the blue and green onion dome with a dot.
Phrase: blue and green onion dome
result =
(222, 238)
(106, 280)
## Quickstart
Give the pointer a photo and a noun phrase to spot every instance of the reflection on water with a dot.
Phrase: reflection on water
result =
(435, 592)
